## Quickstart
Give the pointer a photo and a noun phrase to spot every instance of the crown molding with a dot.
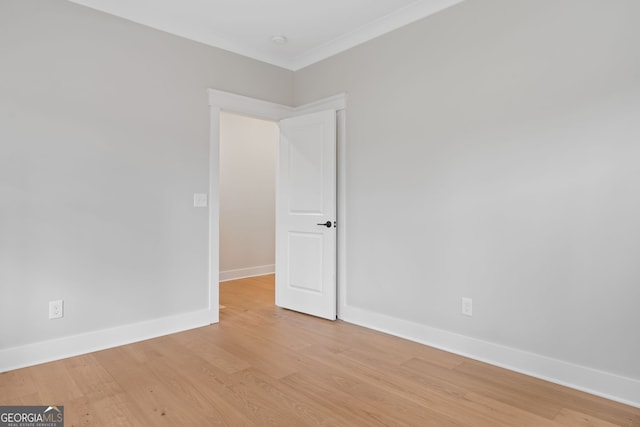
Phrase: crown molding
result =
(405, 16)
(413, 12)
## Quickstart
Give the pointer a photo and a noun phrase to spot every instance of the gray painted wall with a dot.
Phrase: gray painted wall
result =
(247, 192)
(497, 143)
(104, 132)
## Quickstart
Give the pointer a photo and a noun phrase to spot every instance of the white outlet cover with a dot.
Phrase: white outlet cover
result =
(199, 200)
(56, 309)
(467, 306)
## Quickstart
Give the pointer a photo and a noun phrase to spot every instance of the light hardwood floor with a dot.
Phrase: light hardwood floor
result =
(265, 366)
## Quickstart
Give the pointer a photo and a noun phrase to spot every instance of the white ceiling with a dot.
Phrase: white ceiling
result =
(315, 29)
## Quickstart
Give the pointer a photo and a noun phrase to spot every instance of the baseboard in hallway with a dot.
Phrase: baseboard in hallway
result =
(243, 273)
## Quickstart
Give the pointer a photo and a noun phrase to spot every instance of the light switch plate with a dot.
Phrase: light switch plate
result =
(199, 200)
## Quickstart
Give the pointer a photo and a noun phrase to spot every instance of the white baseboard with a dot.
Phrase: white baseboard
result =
(599, 383)
(243, 273)
(603, 384)
(61, 348)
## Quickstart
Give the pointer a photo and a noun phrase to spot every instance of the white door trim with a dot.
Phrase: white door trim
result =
(233, 103)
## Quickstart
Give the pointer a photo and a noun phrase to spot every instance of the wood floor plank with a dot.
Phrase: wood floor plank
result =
(201, 394)
(568, 417)
(210, 351)
(54, 383)
(255, 387)
(81, 412)
(543, 392)
(147, 394)
(16, 384)
(266, 366)
(392, 381)
(92, 380)
(328, 391)
(455, 380)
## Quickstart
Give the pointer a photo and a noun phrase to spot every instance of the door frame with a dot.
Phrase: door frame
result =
(220, 101)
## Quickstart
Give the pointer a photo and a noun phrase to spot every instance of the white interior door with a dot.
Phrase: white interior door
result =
(306, 215)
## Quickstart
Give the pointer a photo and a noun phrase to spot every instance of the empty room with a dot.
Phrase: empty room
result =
(335, 213)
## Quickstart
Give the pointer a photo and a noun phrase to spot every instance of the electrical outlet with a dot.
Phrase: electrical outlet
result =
(467, 307)
(56, 309)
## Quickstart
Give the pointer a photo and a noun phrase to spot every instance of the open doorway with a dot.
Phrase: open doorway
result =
(221, 102)
(248, 148)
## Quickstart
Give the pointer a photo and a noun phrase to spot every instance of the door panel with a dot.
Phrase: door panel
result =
(305, 261)
(305, 201)
(305, 170)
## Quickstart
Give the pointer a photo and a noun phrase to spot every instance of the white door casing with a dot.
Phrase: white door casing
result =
(306, 215)
(239, 104)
